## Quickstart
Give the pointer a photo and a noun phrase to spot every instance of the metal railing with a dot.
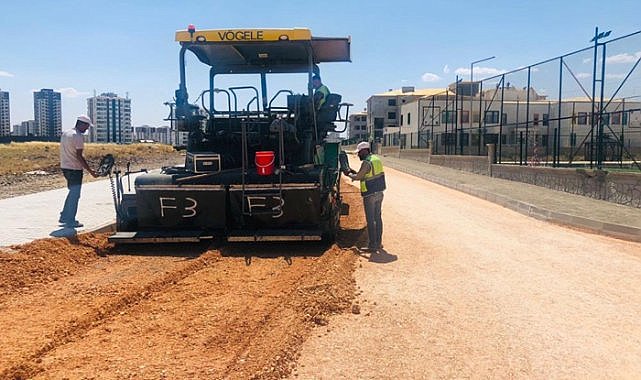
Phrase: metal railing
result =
(578, 107)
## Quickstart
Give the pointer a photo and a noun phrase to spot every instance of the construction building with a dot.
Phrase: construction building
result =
(111, 116)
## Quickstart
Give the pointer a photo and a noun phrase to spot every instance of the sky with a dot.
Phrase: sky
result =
(128, 47)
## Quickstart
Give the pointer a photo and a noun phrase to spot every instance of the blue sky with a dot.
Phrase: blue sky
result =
(77, 47)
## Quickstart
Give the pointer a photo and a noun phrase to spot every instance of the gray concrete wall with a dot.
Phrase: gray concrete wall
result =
(393, 151)
(474, 164)
(422, 155)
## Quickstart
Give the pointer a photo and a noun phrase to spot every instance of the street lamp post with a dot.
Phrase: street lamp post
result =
(598, 119)
(472, 97)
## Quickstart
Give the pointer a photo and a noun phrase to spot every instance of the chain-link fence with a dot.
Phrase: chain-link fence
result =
(581, 107)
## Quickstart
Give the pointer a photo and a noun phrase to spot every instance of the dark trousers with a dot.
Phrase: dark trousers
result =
(373, 205)
(74, 183)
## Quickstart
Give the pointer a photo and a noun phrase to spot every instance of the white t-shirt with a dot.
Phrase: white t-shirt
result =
(70, 141)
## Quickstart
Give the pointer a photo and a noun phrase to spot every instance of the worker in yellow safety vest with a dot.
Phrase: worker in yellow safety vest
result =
(320, 92)
(372, 179)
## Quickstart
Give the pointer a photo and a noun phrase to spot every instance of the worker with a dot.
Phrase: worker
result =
(320, 92)
(72, 162)
(372, 179)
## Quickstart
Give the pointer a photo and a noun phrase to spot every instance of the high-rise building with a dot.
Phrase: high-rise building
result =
(111, 116)
(47, 110)
(5, 120)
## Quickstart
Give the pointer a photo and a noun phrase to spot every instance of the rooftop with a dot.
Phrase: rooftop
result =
(419, 92)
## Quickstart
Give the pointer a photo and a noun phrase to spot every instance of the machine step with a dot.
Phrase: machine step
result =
(125, 237)
(274, 235)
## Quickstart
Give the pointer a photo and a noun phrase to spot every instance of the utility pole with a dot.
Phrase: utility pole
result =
(598, 116)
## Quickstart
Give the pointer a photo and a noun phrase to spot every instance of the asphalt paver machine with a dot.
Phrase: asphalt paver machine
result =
(267, 170)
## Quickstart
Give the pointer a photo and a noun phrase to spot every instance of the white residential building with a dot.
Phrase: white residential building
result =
(384, 110)
(438, 120)
(156, 134)
(111, 116)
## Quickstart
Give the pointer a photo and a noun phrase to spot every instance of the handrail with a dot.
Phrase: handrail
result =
(290, 92)
(346, 119)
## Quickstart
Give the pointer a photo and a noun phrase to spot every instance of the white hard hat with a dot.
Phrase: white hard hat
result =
(85, 119)
(362, 145)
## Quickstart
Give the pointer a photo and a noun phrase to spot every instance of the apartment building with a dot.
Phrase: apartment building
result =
(26, 128)
(384, 110)
(358, 126)
(5, 117)
(111, 116)
(156, 134)
(447, 121)
(47, 110)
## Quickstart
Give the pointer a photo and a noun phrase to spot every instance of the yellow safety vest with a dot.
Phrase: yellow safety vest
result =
(374, 180)
(325, 91)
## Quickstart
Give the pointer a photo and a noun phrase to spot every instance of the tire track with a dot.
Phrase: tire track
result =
(27, 367)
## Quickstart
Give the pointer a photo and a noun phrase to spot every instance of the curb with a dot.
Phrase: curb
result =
(107, 227)
(619, 231)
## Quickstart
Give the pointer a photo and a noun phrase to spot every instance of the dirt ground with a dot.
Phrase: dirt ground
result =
(27, 168)
(163, 311)
(469, 289)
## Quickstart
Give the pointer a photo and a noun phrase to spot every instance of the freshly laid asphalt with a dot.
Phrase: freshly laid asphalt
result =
(35, 216)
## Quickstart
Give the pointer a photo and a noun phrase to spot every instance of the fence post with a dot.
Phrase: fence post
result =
(521, 148)
(491, 157)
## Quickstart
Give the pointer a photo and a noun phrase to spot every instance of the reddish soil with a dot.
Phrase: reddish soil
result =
(85, 309)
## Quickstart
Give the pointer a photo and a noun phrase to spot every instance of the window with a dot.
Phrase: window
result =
(616, 118)
(583, 118)
(391, 115)
(409, 118)
(448, 138)
(401, 119)
(464, 139)
(503, 118)
(465, 116)
(624, 118)
(391, 102)
(546, 119)
(573, 139)
(448, 116)
(605, 119)
(535, 117)
(491, 117)
(475, 117)
(378, 123)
